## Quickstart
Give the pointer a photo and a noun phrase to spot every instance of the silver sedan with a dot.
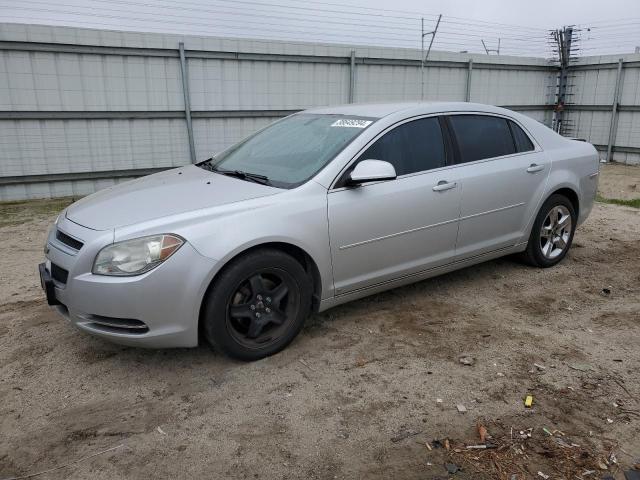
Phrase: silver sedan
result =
(317, 209)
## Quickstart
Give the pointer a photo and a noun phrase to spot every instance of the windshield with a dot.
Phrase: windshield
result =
(291, 151)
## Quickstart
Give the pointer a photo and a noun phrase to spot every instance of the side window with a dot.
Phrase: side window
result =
(523, 142)
(481, 136)
(412, 147)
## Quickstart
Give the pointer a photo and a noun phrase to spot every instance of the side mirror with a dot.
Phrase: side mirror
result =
(372, 171)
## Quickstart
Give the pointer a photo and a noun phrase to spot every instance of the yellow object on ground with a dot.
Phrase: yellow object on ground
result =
(528, 402)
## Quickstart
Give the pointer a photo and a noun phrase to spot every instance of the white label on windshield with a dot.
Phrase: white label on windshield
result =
(352, 123)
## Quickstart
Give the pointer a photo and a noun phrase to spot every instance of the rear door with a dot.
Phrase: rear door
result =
(502, 174)
(385, 230)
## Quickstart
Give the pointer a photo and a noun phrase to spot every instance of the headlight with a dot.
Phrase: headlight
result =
(133, 257)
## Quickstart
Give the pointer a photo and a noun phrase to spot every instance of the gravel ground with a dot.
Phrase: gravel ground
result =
(356, 395)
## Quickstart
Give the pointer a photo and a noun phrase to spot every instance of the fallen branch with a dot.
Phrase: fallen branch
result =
(31, 475)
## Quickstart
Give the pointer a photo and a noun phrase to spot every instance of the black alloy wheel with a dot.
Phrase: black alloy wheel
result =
(257, 304)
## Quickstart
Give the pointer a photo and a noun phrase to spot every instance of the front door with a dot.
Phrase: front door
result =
(385, 230)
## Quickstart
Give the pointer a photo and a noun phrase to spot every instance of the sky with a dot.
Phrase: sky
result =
(518, 27)
(538, 13)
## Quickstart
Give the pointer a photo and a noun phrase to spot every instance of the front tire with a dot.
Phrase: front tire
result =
(257, 305)
(552, 232)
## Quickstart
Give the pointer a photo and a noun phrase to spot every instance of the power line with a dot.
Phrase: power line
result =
(364, 27)
(347, 21)
(361, 36)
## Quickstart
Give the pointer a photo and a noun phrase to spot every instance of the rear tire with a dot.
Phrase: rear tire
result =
(552, 232)
(257, 305)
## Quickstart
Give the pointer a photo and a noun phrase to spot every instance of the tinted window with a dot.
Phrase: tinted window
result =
(412, 147)
(481, 136)
(523, 142)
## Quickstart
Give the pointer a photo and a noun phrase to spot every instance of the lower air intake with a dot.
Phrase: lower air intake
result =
(117, 325)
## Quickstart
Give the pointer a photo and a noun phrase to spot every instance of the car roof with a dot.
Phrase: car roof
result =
(380, 110)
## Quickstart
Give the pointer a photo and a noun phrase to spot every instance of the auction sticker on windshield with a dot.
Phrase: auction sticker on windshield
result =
(352, 123)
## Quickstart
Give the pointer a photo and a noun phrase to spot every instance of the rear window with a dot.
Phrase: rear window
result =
(481, 136)
(522, 140)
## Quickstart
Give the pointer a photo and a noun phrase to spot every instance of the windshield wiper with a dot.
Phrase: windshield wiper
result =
(252, 177)
(207, 164)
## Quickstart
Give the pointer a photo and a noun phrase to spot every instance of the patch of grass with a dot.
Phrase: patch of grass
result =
(23, 211)
(634, 202)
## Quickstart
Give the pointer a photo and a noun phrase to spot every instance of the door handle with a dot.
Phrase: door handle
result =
(444, 185)
(533, 168)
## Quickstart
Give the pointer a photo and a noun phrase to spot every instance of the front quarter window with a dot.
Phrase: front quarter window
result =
(291, 151)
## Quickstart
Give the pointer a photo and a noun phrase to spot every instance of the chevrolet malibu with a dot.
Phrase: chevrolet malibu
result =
(317, 209)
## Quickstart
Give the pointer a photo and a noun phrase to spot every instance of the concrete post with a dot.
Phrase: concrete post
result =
(187, 102)
(613, 125)
(469, 72)
(352, 77)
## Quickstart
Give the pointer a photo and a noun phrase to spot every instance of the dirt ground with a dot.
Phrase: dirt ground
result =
(620, 181)
(356, 395)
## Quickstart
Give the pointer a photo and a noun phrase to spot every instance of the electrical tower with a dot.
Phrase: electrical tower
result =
(564, 45)
(489, 50)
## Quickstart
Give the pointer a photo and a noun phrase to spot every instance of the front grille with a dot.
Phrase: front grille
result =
(68, 241)
(117, 325)
(59, 274)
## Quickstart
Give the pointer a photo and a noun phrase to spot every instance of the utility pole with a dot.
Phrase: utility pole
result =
(424, 58)
(563, 39)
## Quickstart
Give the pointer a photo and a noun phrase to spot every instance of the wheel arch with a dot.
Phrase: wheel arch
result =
(570, 194)
(565, 189)
(295, 251)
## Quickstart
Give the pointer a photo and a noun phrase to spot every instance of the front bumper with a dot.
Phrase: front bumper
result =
(158, 309)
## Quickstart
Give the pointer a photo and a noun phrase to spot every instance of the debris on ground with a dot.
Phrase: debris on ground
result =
(512, 453)
(580, 367)
(528, 433)
(528, 401)
(405, 433)
(632, 475)
(452, 468)
(482, 446)
(461, 408)
(482, 432)
(437, 444)
(467, 360)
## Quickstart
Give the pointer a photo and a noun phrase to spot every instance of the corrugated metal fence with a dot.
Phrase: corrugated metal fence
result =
(81, 109)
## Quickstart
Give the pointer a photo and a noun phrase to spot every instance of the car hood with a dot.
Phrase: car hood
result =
(163, 194)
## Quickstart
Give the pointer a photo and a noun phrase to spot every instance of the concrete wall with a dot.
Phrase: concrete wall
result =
(81, 109)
